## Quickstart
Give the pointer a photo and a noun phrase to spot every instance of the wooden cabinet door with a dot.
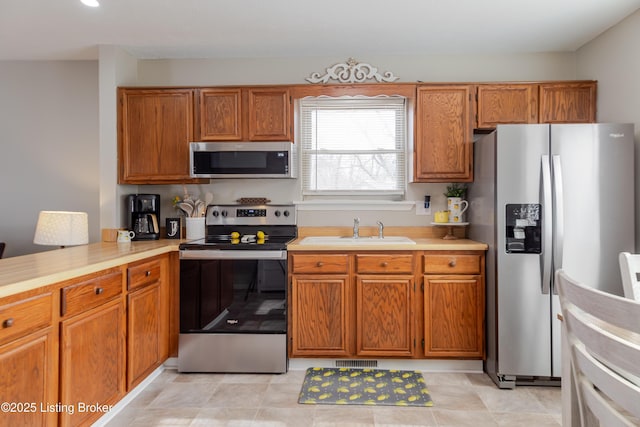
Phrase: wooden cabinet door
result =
(454, 316)
(506, 104)
(568, 102)
(269, 114)
(92, 361)
(220, 114)
(144, 333)
(29, 380)
(155, 128)
(320, 318)
(443, 140)
(384, 315)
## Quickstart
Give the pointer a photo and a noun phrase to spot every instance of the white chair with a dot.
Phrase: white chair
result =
(603, 333)
(629, 270)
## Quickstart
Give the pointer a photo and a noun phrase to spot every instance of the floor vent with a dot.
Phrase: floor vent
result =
(356, 363)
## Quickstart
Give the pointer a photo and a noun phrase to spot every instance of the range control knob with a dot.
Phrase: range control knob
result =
(224, 213)
(277, 213)
(215, 213)
(286, 213)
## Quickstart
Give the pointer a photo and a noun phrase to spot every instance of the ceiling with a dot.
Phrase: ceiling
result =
(66, 29)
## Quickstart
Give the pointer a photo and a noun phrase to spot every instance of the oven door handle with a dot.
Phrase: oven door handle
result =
(196, 254)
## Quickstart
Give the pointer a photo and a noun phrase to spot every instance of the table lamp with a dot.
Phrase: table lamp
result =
(59, 228)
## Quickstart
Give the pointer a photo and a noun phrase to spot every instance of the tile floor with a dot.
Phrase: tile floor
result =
(460, 399)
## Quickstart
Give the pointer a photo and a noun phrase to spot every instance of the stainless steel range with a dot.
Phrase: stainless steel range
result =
(233, 291)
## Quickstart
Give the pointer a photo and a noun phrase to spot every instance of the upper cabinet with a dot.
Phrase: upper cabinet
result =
(521, 103)
(244, 114)
(568, 102)
(220, 115)
(443, 139)
(269, 114)
(155, 127)
(506, 104)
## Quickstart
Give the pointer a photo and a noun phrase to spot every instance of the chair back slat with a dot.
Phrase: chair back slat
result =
(602, 332)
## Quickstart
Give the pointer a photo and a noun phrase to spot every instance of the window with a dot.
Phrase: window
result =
(353, 146)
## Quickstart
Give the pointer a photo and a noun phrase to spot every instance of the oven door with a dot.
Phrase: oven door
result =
(233, 311)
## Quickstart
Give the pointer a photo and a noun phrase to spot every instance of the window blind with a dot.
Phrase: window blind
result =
(353, 145)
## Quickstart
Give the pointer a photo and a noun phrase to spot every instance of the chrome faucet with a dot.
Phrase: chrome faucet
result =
(380, 230)
(356, 228)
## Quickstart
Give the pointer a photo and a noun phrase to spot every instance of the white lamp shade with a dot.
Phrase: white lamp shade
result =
(58, 228)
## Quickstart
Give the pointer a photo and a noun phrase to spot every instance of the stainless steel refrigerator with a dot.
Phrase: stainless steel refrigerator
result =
(546, 197)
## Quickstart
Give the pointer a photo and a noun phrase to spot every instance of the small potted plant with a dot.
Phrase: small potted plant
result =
(455, 203)
(456, 190)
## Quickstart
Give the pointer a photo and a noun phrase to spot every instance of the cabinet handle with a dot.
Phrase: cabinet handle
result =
(148, 273)
(319, 264)
(384, 263)
(99, 291)
(8, 323)
(452, 263)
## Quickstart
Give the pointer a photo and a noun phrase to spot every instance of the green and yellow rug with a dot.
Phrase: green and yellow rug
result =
(347, 386)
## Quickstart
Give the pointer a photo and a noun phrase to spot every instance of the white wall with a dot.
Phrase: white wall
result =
(431, 68)
(614, 60)
(49, 139)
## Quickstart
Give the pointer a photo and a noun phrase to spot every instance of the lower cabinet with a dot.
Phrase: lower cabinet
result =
(70, 368)
(28, 380)
(28, 360)
(147, 320)
(92, 349)
(384, 315)
(337, 314)
(454, 304)
(364, 304)
(319, 319)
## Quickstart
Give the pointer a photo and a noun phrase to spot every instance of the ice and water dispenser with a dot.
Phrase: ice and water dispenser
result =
(524, 228)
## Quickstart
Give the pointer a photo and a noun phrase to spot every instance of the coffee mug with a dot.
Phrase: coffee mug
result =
(125, 236)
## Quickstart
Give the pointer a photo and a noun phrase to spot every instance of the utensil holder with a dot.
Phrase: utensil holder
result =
(195, 228)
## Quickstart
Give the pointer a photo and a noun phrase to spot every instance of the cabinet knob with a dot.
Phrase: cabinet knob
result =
(452, 263)
(319, 264)
(384, 263)
(8, 323)
(148, 273)
(99, 291)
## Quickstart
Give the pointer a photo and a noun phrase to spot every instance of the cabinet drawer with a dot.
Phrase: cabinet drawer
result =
(90, 293)
(379, 263)
(453, 263)
(140, 275)
(308, 263)
(25, 316)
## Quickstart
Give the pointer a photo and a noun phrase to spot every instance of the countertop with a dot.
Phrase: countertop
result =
(422, 244)
(426, 238)
(27, 272)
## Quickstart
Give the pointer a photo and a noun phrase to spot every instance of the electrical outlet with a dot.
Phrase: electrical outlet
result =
(421, 210)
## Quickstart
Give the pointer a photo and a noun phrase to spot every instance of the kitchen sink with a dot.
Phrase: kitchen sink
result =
(348, 240)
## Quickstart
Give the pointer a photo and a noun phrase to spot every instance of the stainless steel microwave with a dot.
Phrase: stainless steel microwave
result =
(242, 159)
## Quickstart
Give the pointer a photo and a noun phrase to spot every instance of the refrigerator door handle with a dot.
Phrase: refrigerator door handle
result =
(559, 213)
(547, 225)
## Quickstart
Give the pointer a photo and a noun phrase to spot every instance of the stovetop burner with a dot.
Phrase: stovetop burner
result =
(237, 227)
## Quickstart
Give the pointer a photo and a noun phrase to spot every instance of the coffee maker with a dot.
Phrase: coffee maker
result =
(143, 216)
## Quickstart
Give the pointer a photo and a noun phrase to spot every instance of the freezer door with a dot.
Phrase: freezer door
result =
(523, 303)
(594, 216)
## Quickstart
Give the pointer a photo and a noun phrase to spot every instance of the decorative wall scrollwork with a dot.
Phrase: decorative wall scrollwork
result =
(352, 72)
